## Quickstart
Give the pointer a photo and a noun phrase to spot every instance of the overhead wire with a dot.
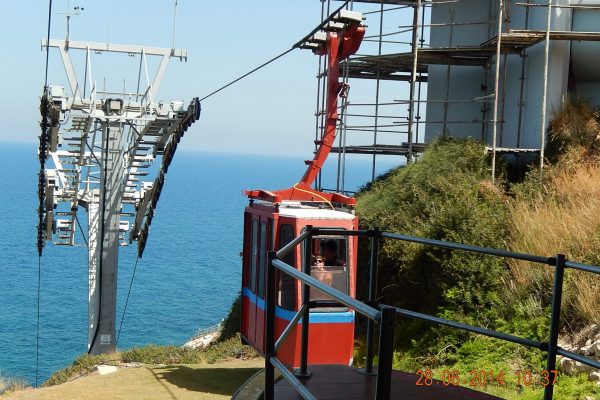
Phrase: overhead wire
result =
(37, 330)
(81, 229)
(249, 73)
(48, 42)
(127, 300)
(295, 46)
(174, 23)
(42, 164)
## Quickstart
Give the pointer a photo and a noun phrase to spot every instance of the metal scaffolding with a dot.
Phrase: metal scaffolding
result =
(397, 56)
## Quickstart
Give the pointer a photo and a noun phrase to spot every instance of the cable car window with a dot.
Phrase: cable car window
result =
(287, 284)
(329, 264)
(262, 260)
(253, 255)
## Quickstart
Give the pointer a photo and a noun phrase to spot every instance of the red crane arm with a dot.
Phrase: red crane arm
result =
(338, 47)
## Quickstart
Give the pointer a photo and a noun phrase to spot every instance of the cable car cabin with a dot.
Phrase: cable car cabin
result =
(273, 219)
(270, 227)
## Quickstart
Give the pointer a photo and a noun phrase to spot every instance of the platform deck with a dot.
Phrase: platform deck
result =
(347, 383)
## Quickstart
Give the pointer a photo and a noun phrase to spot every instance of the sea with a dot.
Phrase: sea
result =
(187, 279)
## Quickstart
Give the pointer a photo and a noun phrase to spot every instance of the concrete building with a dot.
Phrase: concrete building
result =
(572, 68)
(435, 66)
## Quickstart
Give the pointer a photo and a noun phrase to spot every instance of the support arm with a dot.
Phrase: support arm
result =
(337, 47)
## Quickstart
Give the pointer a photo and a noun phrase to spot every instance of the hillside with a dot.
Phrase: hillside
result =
(448, 195)
(181, 382)
(153, 372)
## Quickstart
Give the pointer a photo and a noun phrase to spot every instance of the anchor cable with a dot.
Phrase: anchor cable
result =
(40, 244)
(48, 43)
(81, 230)
(127, 299)
(37, 330)
(295, 46)
(249, 73)
(102, 233)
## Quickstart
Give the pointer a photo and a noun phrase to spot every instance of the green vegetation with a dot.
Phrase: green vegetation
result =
(443, 196)
(153, 355)
(233, 321)
(448, 195)
(183, 382)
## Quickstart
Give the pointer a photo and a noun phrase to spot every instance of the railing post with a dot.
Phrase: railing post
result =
(269, 393)
(386, 353)
(372, 297)
(557, 292)
(305, 301)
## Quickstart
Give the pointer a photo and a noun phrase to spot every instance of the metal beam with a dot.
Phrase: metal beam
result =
(102, 327)
(117, 48)
(70, 73)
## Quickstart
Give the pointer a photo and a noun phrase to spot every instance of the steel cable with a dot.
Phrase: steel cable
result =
(248, 73)
(127, 300)
(42, 162)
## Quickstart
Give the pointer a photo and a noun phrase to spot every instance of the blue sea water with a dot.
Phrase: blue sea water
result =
(186, 280)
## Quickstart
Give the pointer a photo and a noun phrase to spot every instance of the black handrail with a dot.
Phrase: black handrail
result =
(475, 329)
(335, 294)
(385, 316)
(285, 250)
(582, 267)
(286, 332)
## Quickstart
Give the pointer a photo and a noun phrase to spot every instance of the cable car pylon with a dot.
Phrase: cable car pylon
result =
(101, 145)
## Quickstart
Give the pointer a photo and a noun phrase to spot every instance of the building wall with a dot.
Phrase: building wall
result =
(585, 55)
(524, 75)
(464, 82)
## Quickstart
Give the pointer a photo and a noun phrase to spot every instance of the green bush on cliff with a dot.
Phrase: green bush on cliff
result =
(232, 323)
(229, 349)
(446, 195)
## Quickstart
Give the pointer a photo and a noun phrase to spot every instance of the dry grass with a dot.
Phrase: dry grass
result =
(152, 354)
(180, 382)
(11, 385)
(563, 216)
(561, 213)
(577, 124)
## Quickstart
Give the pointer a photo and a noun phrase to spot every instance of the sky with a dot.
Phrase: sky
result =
(270, 112)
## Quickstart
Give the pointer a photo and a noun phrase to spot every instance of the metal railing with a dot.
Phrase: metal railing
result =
(209, 331)
(384, 315)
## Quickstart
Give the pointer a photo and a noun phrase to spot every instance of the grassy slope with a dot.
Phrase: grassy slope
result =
(151, 354)
(206, 381)
(166, 372)
(447, 196)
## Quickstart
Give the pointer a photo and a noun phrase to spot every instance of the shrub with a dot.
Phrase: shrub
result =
(233, 321)
(446, 195)
(559, 211)
(155, 354)
(10, 385)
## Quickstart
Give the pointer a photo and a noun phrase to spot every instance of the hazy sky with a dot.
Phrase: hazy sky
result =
(270, 112)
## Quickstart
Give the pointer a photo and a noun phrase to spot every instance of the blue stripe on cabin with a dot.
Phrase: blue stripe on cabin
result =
(316, 317)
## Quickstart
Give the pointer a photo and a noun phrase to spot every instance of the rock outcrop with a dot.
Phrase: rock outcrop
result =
(586, 343)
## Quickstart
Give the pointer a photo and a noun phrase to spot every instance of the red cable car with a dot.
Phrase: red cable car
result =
(273, 219)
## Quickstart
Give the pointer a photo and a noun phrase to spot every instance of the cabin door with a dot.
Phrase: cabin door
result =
(263, 243)
(252, 249)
